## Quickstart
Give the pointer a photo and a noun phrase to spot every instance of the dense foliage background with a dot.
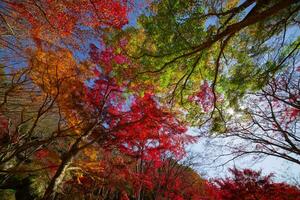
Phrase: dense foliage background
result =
(97, 97)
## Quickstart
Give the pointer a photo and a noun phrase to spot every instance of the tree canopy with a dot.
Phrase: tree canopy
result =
(93, 107)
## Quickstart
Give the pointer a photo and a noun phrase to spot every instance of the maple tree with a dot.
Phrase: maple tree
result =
(94, 108)
(53, 69)
(183, 45)
(249, 184)
(61, 18)
(143, 132)
(268, 123)
(177, 180)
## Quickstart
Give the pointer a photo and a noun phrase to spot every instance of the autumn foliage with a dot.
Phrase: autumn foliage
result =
(92, 107)
(249, 184)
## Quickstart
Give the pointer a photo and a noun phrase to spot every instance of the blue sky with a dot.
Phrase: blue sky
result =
(283, 169)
